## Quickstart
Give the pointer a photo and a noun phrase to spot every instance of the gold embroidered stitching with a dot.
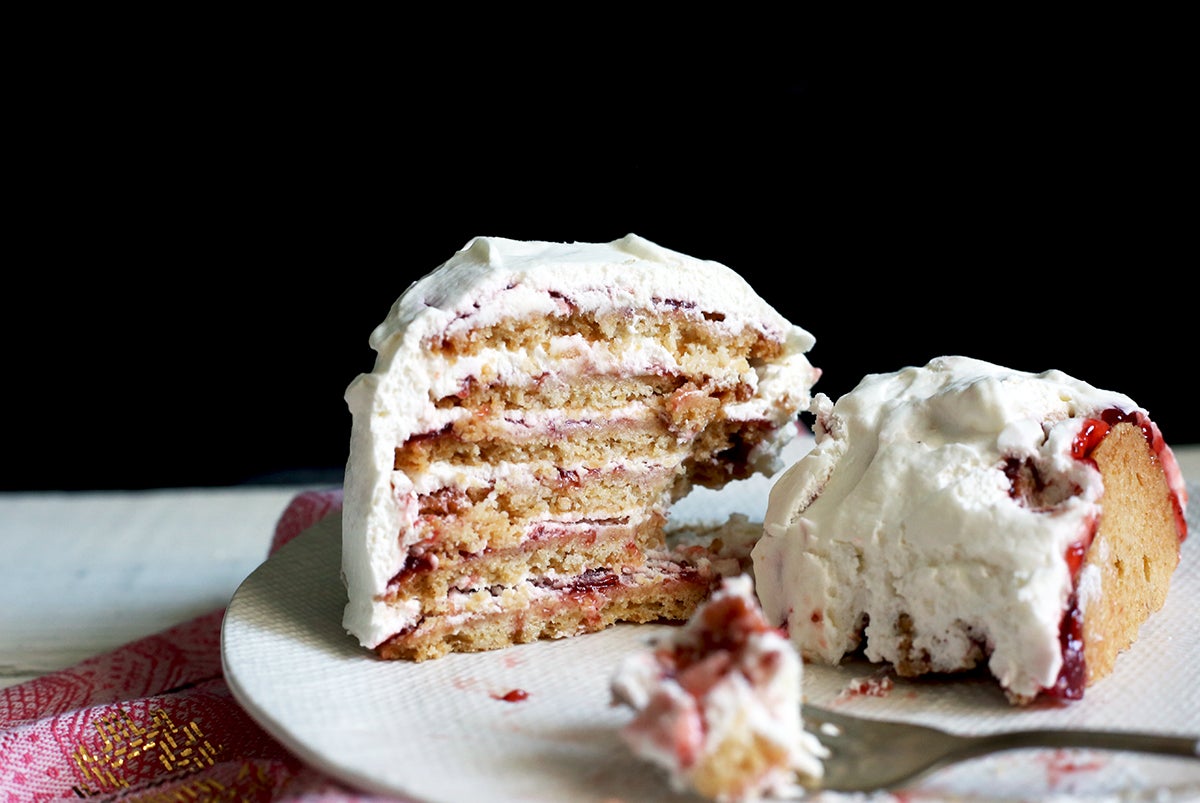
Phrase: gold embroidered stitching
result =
(178, 748)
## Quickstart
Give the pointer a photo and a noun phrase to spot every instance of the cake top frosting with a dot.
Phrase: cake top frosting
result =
(493, 277)
(597, 276)
(908, 469)
(891, 436)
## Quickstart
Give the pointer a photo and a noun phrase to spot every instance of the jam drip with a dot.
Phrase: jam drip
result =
(589, 580)
(1072, 678)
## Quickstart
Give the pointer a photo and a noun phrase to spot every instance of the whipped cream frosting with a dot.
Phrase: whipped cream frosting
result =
(725, 677)
(903, 507)
(491, 279)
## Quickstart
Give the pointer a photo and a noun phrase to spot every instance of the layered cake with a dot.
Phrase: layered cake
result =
(717, 703)
(963, 514)
(534, 411)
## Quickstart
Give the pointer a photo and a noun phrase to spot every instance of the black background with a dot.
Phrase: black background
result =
(201, 250)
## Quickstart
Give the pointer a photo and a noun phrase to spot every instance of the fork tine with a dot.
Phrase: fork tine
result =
(867, 754)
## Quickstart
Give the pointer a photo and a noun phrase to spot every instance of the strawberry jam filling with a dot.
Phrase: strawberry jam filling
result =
(1072, 678)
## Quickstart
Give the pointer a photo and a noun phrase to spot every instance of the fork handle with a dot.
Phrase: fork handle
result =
(1188, 746)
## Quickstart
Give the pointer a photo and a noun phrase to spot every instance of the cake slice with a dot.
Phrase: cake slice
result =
(964, 514)
(534, 411)
(717, 703)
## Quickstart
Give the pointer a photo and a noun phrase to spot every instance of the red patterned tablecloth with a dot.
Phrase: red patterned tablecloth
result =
(154, 720)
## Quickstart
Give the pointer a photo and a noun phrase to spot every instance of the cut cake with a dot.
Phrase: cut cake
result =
(534, 410)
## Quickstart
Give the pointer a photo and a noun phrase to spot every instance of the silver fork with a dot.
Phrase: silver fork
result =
(872, 754)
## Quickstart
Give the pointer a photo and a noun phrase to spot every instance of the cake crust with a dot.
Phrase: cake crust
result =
(1127, 570)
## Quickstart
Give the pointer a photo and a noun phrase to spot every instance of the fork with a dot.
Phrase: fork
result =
(873, 754)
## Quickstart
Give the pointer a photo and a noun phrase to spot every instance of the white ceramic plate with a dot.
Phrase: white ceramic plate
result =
(443, 731)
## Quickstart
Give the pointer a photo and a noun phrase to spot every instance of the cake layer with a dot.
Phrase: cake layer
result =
(693, 401)
(695, 339)
(508, 435)
(518, 368)
(501, 510)
(721, 452)
(551, 548)
(663, 590)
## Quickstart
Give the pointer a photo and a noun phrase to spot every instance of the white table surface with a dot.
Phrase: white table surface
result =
(83, 573)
